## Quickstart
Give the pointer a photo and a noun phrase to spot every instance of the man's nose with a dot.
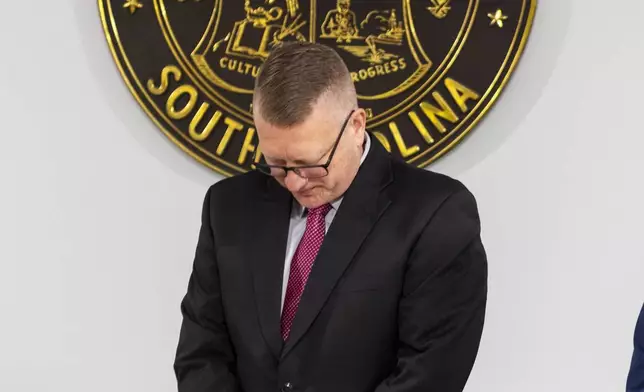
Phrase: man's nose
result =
(293, 182)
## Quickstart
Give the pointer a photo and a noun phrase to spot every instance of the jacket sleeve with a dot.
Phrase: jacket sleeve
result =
(635, 381)
(442, 308)
(205, 359)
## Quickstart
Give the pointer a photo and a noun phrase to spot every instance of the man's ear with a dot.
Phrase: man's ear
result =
(359, 125)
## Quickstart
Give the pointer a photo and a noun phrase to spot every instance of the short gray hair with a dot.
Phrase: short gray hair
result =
(294, 76)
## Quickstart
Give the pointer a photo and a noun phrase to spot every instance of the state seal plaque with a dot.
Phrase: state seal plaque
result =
(426, 71)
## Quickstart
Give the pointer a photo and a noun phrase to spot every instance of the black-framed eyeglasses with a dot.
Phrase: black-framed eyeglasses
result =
(305, 171)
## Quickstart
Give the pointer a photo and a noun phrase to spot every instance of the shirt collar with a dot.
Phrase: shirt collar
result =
(298, 210)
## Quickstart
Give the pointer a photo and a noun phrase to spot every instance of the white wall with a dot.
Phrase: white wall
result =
(99, 212)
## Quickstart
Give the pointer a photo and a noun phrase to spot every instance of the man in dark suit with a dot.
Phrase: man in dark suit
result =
(333, 267)
(635, 381)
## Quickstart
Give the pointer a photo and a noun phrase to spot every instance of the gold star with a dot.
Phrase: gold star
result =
(133, 5)
(497, 18)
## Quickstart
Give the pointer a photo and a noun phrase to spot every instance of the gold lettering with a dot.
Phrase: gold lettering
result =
(460, 93)
(203, 135)
(232, 127)
(383, 140)
(378, 70)
(258, 157)
(402, 147)
(421, 127)
(174, 97)
(247, 147)
(238, 66)
(168, 69)
(432, 112)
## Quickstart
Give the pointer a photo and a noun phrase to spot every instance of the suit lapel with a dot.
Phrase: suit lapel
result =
(267, 255)
(361, 207)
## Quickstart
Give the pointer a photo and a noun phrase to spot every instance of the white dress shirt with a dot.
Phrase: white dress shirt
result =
(297, 225)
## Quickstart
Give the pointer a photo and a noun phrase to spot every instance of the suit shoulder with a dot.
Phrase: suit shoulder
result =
(235, 187)
(423, 182)
(421, 194)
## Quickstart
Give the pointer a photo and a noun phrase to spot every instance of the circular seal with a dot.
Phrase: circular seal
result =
(426, 71)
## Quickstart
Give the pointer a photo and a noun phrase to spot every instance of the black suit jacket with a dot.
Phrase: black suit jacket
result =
(395, 301)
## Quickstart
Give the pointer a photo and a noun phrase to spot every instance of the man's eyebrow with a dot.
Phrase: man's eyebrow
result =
(274, 160)
(304, 162)
(298, 162)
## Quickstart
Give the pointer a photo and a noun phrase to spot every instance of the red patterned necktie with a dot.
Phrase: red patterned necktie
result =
(302, 262)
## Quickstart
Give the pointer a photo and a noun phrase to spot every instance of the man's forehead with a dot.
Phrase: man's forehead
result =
(302, 144)
(295, 151)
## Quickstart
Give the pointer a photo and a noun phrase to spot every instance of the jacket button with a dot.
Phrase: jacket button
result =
(288, 387)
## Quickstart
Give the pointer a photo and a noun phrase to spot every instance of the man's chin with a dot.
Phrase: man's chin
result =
(309, 200)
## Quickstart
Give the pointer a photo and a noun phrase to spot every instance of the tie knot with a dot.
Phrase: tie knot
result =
(320, 211)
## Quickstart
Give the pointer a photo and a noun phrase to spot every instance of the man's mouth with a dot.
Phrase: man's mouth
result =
(307, 192)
